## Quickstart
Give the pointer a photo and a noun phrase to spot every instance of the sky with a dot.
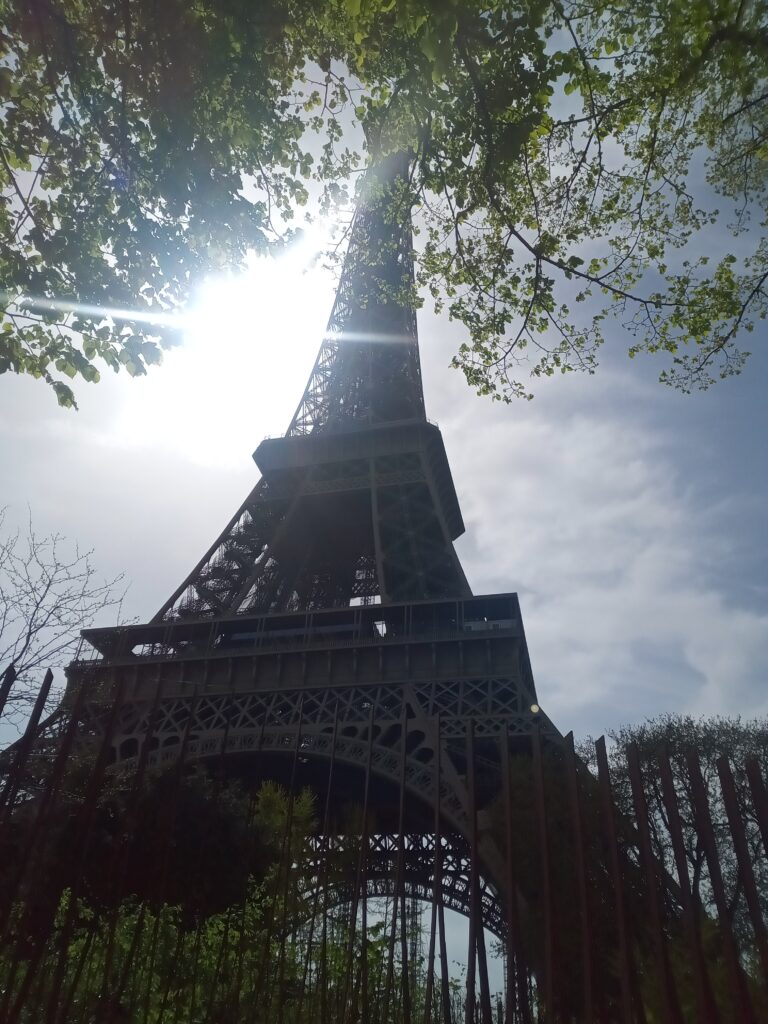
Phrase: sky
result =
(629, 518)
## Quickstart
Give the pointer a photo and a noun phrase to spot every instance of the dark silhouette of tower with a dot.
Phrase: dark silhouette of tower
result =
(332, 614)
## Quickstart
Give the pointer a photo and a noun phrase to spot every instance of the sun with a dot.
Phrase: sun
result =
(249, 342)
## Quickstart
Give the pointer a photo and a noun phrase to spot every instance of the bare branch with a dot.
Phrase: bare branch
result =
(49, 591)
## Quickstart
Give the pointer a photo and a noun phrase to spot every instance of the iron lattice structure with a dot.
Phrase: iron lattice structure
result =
(356, 502)
(335, 594)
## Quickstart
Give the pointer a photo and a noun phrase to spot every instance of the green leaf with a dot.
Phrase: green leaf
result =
(64, 395)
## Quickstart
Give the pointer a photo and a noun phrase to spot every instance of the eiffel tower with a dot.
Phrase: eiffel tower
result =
(332, 619)
(329, 640)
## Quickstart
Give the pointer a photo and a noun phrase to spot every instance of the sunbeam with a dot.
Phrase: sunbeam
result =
(32, 303)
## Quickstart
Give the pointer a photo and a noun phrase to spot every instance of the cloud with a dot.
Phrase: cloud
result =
(580, 502)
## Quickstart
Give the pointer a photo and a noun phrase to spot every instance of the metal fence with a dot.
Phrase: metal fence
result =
(632, 887)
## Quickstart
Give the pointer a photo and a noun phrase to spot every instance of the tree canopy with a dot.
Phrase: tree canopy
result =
(574, 164)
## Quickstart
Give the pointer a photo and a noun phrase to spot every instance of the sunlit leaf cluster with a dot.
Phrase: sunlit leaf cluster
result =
(579, 170)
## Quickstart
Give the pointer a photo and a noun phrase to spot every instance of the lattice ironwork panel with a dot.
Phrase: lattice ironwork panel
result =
(333, 857)
(236, 559)
(284, 721)
(368, 367)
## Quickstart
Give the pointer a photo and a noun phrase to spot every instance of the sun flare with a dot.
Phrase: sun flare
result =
(250, 340)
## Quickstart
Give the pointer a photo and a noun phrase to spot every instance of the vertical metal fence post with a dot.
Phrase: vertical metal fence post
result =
(358, 894)
(609, 826)
(759, 799)
(705, 1003)
(437, 870)
(546, 882)
(406, 987)
(321, 884)
(742, 1004)
(469, 1005)
(669, 1003)
(744, 862)
(482, 963)
(516, 979)
(286, 861)
(574, 802)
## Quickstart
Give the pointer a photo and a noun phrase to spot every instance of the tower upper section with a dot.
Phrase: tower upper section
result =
(356, 503)
(367, 371)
